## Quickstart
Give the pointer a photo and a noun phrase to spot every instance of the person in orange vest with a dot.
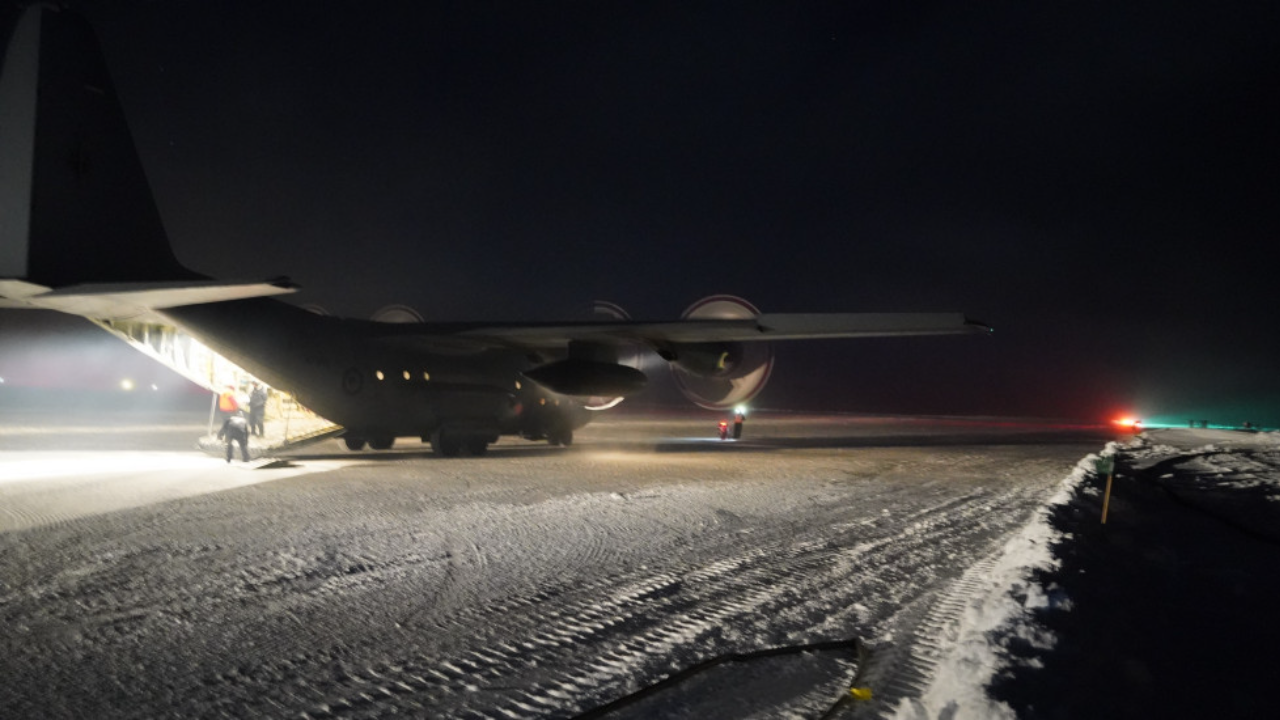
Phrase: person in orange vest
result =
(227, 403)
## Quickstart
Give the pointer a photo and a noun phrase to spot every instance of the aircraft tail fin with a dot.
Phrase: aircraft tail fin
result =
(75, 206)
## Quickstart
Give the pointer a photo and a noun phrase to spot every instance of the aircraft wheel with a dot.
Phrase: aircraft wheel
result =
(444, 446)
(477, 447)
(353, 442)
(560, 436)
(381, 443)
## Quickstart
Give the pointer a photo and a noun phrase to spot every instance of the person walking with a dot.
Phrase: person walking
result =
(236, 429)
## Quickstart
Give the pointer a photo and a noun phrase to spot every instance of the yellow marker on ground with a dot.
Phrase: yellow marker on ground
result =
(860, 693)
(1106, 465)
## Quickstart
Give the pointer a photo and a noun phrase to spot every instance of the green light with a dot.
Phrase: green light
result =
(1198, 422)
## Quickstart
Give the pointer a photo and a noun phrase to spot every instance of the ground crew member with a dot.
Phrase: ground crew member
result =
(738, 419)
(227, 403)
(236, 428)
(257, 408)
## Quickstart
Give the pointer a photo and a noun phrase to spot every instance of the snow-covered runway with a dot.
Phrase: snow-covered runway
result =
(530, 583)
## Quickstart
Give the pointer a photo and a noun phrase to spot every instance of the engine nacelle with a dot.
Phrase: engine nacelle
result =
(589, 378)
(626, 354)
(721, 375)
(714, 360)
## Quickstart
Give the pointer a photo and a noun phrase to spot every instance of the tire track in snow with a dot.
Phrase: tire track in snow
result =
(346, 566)
(904, 671)
(633, 625)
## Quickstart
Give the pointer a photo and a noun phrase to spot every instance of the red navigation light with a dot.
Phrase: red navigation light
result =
(1129, 422)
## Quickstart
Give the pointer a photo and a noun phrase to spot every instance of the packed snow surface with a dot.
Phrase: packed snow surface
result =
(534, 582)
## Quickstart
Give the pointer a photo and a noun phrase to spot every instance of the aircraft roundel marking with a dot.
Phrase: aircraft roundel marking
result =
(352, 381)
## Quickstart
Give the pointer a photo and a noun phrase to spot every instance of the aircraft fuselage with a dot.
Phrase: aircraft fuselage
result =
(378, 388)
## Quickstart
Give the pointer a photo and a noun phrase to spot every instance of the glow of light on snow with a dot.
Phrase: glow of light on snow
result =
(83, 464)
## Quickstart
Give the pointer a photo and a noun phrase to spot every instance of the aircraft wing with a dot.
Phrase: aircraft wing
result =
(767, 327)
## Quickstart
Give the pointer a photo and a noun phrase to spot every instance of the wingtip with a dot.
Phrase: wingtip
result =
(978, 326)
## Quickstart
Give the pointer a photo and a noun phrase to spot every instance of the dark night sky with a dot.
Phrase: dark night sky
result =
(1100, 181)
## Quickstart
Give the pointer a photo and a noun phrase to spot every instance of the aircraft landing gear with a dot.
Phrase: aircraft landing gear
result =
(560, 436)
(356, 443)
(446, 444)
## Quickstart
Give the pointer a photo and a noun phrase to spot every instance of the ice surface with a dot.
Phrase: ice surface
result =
(534, 582)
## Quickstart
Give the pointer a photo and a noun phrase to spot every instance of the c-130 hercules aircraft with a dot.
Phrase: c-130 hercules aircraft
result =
(80, 233)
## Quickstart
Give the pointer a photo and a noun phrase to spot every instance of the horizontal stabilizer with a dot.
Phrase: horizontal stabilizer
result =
(119, 301)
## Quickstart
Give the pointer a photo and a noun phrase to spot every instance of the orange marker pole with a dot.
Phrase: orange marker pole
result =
(1106, 465)
(1106, 499)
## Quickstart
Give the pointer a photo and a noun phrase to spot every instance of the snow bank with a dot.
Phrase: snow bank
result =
(999, 611)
